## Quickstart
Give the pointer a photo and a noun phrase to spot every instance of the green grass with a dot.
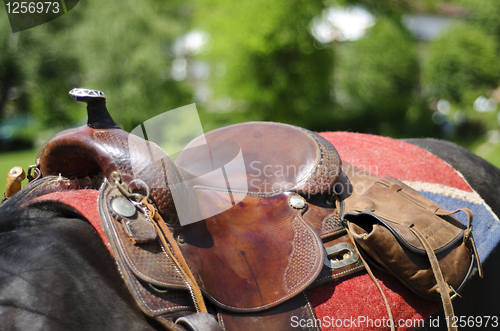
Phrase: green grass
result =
(490, 152)
(9, 160)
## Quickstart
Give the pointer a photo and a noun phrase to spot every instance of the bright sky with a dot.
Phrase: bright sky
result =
(341, 24)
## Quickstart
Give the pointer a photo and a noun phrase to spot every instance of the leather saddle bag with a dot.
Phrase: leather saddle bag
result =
(408, 235)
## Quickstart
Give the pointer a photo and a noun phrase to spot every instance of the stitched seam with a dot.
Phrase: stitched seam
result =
(340, 273)
(433, 233)
(320, 162)
(215, 189)
(127, 257)
(221, 321)
(310, 309)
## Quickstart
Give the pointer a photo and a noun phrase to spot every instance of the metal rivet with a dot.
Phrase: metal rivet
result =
(180, 239)
(123, 207)
(330, 201)
(297, 202)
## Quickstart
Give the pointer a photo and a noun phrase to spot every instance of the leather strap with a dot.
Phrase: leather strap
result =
(467, 234)
(444, 288)
(389, 311)
(293, 314)
(166, 236)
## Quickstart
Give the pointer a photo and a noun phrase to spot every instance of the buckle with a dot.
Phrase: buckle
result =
(340, 256)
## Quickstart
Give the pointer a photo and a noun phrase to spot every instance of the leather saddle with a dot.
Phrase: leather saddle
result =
(247, 218)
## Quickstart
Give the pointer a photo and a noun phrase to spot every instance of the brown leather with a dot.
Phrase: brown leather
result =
(253, 249)
(172, 249)
(279, 249)
(262, 250)
(287, 316)
(88, 152)
(147, 261)
(331, 273)
(381, 211)
(150, 274)
(277, 157)
(253, 256)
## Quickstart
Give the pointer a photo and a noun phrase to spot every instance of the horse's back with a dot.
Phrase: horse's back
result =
(56, 274)
(480, 296)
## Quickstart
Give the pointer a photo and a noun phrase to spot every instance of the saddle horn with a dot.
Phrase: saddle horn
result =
(102, 149)
(98, 115)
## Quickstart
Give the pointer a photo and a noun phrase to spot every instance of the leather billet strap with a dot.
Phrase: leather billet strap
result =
(289, 315)
(172, 249)
(375, 281)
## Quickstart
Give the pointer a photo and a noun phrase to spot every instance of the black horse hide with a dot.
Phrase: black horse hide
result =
(481, 297)
(56, 274)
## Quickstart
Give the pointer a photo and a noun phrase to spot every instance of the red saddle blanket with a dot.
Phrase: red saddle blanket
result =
(353, 303)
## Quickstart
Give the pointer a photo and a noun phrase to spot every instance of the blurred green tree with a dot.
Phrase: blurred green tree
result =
(122, 49)
(125, 50)
(12, 74)
(462, 60)
(273, 68)
(376, 79)
(485, 14)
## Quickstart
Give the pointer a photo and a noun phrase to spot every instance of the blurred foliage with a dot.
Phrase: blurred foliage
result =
(124, 51)
(272, 66)
(11, 72)
(259, 61)
(484, 13)
(101, 47)
(463, 59)
(376, 79)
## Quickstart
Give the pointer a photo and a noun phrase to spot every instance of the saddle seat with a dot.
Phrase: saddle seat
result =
(256, 241)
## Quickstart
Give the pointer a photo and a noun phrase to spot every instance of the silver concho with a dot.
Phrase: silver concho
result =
(297, 202)
(123, 207)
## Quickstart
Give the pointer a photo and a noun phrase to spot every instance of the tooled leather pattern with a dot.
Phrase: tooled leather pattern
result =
(331, 224)
(147, 261)
(303, 259)
(326, 172)
(137, 158)
(142, 262)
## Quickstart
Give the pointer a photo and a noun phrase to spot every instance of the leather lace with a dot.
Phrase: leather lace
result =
(368, 269)
(173, 250)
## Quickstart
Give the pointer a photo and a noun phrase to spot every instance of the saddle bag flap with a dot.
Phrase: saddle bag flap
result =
(392, 223)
